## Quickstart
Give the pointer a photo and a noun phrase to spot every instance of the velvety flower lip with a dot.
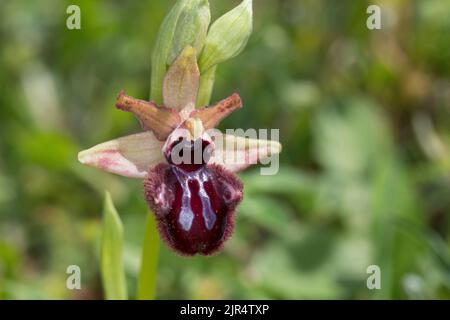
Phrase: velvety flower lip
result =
(190, 221)
(194, 201)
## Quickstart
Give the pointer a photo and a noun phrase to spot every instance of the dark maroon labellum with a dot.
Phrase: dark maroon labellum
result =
(194, 204)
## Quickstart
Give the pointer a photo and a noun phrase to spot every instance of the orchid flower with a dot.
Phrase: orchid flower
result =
(194, 202)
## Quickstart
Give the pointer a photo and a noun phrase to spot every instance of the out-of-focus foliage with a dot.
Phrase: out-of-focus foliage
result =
(112, 271)
(364, 178)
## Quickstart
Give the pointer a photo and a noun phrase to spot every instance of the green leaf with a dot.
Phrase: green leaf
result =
(395, 203)
(149, 264)
(350, 141)
(269, 214)
(112, 270)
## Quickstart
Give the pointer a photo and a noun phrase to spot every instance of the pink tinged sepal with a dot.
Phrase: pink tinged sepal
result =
(194, 209)
(237, 153)
(129, 156)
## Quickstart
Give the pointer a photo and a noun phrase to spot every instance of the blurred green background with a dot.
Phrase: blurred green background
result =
(364, 120)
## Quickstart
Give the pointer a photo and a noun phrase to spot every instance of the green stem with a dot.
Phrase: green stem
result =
(206, 87)
(149, 262)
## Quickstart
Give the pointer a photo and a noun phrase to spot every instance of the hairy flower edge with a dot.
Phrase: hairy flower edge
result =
(161, 193)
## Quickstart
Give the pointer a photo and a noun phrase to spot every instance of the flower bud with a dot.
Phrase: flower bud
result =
(186, 24)
(191, 28)
(227, 36)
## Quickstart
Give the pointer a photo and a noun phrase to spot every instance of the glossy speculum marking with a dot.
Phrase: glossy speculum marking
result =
(194, 203)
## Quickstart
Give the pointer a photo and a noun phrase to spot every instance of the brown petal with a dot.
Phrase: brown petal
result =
(161, 120)
(211, 116)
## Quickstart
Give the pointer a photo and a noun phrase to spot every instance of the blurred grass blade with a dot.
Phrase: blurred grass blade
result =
(149, 264)
(112, 270)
